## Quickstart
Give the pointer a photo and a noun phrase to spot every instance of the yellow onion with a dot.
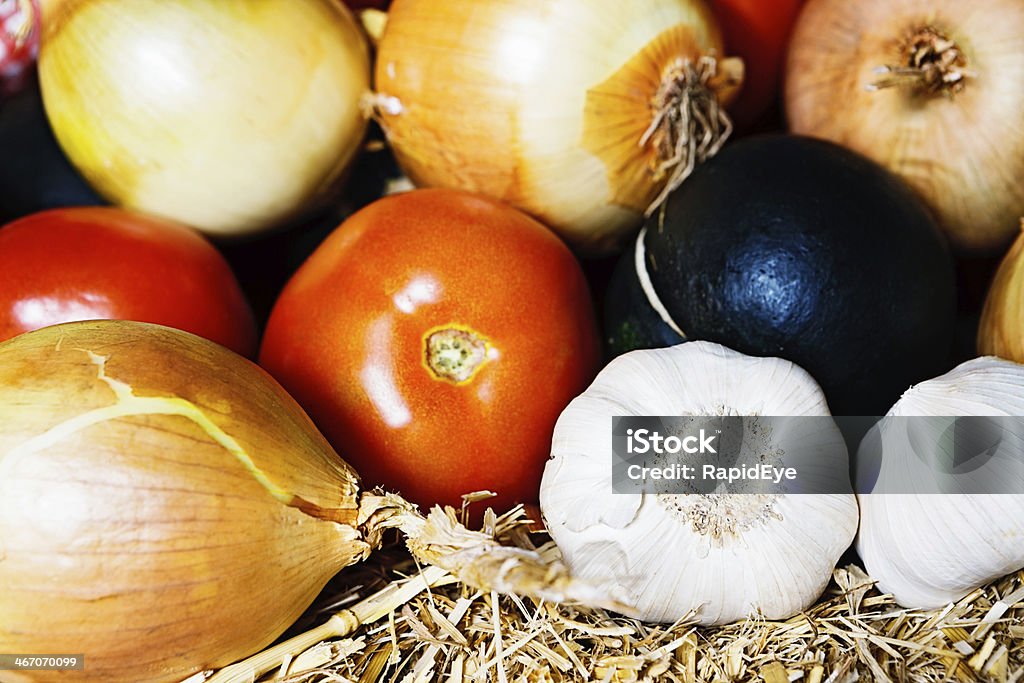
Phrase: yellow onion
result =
(228, 116)
(1001, 332)
(581, 112)
(142, 476)
(166, 508)
(931, 89)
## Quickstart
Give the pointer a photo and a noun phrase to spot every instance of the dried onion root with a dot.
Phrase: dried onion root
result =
(931, 90)
(153, 483)
(583, 113)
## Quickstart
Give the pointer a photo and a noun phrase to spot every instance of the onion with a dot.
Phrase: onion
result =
(1001, 330)
(931, 90)
(166, 508)
(228, 116)
(584, 113)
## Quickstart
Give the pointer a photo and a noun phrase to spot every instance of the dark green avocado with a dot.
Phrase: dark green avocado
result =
(34, 173)
(630, 321)
(794, 247)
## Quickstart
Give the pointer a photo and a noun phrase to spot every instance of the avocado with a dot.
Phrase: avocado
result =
(34, 173)
(794, 247)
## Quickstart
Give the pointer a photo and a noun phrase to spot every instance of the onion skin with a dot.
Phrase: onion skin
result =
(231, 117)
(963, 152)
(139, 540)
(1001, 331)
(538, 103)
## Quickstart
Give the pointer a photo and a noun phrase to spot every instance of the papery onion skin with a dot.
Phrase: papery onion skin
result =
(962, 151)
(538, 103)
(140, 541)
(1001, 330)
(227, 116)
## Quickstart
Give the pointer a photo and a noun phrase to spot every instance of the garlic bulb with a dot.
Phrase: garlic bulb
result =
(928, 549)
(718, 557)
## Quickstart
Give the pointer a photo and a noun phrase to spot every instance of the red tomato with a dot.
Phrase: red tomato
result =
(88, 263)
(435, 337)
(758, 31)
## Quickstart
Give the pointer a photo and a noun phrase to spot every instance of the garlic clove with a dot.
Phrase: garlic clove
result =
(928, 549)
(715, 557)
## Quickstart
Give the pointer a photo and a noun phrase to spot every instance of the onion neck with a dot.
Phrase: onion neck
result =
(43, 12)
(932, 63)
(689, 124)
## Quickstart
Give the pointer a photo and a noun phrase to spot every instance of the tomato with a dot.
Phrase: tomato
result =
(434, 338)
(758, 31)
(88, 263)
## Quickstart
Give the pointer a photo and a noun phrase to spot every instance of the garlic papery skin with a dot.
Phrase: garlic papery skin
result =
(930, 89)
(930, 549)
(714, 558)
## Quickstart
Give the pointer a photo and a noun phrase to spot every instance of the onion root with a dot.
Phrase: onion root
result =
(933, 62)
(689, 124)
(453, 553)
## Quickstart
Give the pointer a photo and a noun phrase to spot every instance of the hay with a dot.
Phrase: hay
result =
(450, 633)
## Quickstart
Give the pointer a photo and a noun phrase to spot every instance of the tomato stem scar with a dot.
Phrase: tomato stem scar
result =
(454, 353)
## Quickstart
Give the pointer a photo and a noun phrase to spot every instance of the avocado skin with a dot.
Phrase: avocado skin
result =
(34, 173)
(631, 322)
(793, 247)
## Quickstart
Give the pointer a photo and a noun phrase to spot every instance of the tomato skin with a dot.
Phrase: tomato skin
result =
(348, 338)
(758, 31)
(87, 263)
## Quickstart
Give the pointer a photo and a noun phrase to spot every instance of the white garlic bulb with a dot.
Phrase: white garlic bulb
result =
(930, 549)
(714, 557)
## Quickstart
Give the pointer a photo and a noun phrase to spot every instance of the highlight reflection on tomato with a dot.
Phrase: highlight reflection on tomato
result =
(98, 263)
(435, 337)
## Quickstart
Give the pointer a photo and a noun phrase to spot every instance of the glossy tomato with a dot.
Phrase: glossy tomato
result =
(435, 337)
(87, 263)
(758, 31)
